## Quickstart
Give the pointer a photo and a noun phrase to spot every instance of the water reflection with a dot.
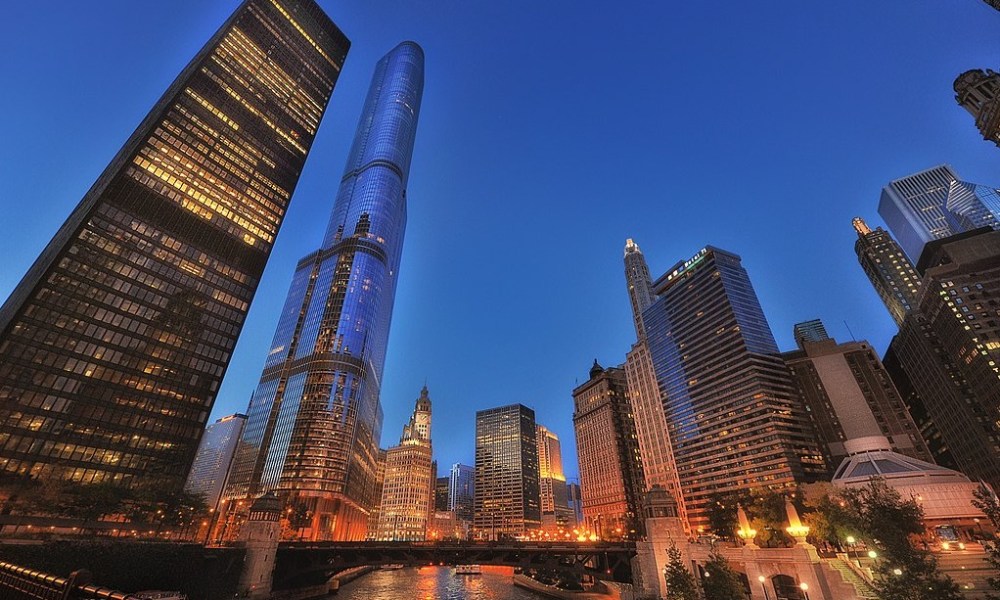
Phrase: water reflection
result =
(435, 583)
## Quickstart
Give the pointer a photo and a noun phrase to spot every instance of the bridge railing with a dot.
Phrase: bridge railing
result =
(21, 583)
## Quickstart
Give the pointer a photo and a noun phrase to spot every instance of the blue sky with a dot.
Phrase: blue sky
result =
(550, 132)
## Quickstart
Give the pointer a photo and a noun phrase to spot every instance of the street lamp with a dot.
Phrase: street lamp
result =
(762, 579)
(805, 589)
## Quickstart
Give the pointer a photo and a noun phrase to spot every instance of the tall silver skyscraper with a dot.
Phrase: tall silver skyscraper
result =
(935, 204)
(315, 419)
(214, 458)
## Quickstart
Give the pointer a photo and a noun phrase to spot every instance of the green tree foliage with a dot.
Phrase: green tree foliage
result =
(720, 581)
(888, 522)
(986, 501)
(722, 512)
(681, 584)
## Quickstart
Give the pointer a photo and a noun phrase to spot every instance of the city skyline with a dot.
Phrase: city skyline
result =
(431, 318)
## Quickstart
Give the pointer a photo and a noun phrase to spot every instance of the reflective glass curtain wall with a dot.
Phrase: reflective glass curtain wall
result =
(315, 418)
(113, 346)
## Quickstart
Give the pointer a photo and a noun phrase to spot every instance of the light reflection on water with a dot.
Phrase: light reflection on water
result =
(435, 583)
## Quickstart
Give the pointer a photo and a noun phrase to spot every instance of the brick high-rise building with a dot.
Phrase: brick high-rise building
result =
(114, 344)
(408, 487)
(607, 450)
(892, 274)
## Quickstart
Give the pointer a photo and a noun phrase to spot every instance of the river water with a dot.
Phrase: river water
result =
(435, 583)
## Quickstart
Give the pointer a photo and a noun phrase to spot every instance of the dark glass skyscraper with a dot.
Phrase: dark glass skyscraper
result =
(507, 495)
(113, 345)
(315, 420)
(892, 274)
(735, 419)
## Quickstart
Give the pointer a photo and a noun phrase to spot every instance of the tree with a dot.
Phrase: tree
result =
(721, 582)
(986, 501)
(681, 584)
(888, 522)
(722, 512)
(299, 517)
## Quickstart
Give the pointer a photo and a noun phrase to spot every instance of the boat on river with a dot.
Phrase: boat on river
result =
(468, 570)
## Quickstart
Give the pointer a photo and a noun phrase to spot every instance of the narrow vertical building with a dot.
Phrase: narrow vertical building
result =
(214, 458)
(850, 397)
(978, 92)
(893, 276)
(114, 344)
(576, 503)
(935, 204)
(552, 481)
(507, 502)
(949, 348)
(607, 450)
(655, 450)
(735, 418)
(409, 483)
(462, 491)
(315, 418)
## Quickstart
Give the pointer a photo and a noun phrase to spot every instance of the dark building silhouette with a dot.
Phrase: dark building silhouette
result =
(113, 345)
(315, 419)
(607, 450)
(892, 274)
(978, 91)
(949, 348)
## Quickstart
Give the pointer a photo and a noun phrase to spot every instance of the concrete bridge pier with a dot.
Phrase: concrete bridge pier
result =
(260, 535)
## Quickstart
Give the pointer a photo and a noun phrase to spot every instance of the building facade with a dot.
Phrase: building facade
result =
(851, 398)
(575, 502)
(734, 416)
(935, 204)
(507, 498)
(214, 458)
(409, 483)
(462, 491)
(893, 275)
(114, 344)
(553, 495)
(441, 487)
(315, 418)
(978, 92)
(949, 348)
(655, 449)
(607, 449)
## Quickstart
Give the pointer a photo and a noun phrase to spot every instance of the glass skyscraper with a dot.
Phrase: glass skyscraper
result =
(892, 274)
(113, 346)
(734, 417)
(934, 204)
(507, 494)
(315, 419)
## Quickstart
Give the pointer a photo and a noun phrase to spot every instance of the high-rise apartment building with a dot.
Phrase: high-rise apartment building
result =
(852, 401)
(441, 487)
(892, 274)
(409, 483)
(734, 416)
(655, 450)
(978, 92)
(934, 204)
(214, 458)
(315, 418)
(507, 501)
(553, 494)
(607, 450)
(949, 348)
(113, 345)
(462, 491)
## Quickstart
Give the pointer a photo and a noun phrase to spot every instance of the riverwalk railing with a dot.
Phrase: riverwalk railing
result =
(21, 583)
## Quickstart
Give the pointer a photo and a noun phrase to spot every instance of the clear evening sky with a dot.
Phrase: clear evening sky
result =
(550, 132)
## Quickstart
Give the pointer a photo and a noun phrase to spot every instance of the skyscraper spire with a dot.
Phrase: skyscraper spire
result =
(640, 284)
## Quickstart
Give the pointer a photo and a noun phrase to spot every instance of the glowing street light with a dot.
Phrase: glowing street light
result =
(805, 589)
(763, 587)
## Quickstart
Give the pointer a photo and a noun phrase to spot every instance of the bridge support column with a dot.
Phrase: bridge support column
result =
(260, 536)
